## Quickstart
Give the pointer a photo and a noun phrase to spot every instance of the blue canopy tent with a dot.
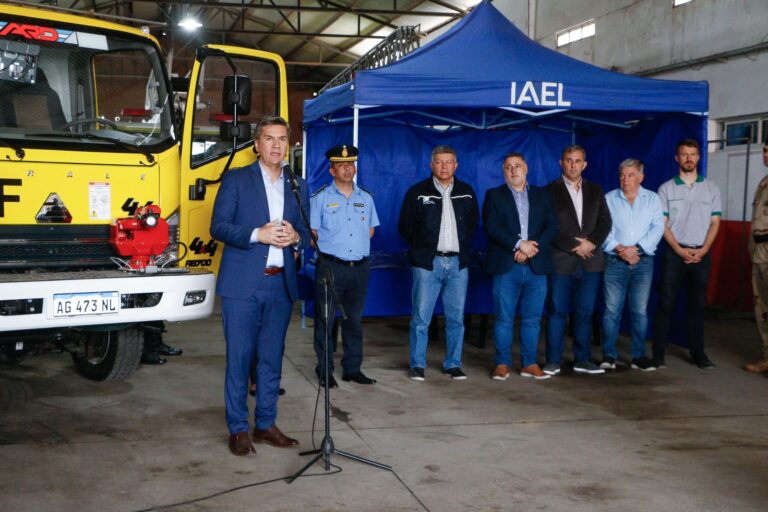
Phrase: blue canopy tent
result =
(486, 89)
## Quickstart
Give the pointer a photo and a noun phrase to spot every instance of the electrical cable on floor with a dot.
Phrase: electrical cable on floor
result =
(233, 489)
(314, 416)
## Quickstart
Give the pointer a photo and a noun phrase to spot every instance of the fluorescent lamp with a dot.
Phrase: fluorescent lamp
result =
(190, 23)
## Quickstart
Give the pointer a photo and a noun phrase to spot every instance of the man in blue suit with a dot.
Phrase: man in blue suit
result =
(257, 217)
(520, 222)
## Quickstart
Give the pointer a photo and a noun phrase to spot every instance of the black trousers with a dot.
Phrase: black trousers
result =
(675, 274)
(351, 284)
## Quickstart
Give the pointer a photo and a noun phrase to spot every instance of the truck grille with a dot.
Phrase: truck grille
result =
(26, 247)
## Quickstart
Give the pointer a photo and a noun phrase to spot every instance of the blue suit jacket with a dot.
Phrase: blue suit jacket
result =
(241, 206)
(502, 225)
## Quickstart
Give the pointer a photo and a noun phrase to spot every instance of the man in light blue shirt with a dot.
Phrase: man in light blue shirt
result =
(637, 228)
(343, 216)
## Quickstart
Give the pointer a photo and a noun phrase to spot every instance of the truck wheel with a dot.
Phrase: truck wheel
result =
(109, 355)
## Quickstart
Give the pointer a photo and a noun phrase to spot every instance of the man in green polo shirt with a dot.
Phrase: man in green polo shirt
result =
(692, 212)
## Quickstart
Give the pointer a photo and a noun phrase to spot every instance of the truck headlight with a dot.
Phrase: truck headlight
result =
(194, 297)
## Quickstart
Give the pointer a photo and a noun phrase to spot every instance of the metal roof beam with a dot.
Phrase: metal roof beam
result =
(273, 33)
(331, 7)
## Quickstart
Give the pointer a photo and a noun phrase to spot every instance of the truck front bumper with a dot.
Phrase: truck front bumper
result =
(27, 300)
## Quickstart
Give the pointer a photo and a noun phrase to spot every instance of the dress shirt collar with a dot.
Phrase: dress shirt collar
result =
(641, 192)
(335, 189)
(440, 187)
(571, 185)
(267, 177)
(524, 191)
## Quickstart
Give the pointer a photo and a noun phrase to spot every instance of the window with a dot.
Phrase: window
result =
(108, 85)
(678, 3)
(206, 143)
(739, 131)
(576, 33)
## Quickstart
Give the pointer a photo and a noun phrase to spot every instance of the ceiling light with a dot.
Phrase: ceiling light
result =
(190, 23)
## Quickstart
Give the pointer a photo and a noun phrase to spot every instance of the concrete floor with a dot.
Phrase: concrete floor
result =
(678, 439)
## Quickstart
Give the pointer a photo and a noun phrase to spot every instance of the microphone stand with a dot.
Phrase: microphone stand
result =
(327, 447)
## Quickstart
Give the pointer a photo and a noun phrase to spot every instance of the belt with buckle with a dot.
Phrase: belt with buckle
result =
(689, 246)
(346, 263)
(447, 254)
(273, 271)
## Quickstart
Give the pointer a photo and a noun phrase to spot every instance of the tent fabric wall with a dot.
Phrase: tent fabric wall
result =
(393, 158)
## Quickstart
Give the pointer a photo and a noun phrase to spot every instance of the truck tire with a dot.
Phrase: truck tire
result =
(110, 355)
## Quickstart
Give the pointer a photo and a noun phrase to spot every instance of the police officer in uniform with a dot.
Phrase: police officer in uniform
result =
(758, 248)
(343, 217)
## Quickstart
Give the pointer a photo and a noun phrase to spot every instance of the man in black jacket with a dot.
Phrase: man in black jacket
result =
(437, 220)
(577, 253)
(520, 222)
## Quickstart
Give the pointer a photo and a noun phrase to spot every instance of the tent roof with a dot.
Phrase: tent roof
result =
(484, 61)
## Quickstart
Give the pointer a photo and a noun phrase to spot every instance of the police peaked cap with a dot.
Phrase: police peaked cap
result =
(342, 154)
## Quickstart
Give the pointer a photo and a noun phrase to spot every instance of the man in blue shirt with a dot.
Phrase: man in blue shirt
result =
(637, 227)
(343, 217)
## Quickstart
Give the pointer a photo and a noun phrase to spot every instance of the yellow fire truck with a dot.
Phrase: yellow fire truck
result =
(107, 180)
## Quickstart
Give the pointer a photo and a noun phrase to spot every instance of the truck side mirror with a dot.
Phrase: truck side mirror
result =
(240, 98)
(227, 131)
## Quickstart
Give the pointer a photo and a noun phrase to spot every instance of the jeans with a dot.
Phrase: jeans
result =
(351, 284)
(674, 274)
(621, 281)
(522, 286)
(576, 292)
(448, 280)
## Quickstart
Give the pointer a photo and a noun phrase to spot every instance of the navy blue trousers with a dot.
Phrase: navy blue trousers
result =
(351, 284)
(255, 331)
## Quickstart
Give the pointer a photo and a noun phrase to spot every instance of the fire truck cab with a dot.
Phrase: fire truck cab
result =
(107, 181)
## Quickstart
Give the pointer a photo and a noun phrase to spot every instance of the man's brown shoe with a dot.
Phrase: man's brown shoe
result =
(534, 371)
(274, 437)
(758, 367)
(501, 372)
(240, 445)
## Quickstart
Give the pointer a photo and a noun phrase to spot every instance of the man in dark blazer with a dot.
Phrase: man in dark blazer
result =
(584, 222)
(257, 217)
(520, 222)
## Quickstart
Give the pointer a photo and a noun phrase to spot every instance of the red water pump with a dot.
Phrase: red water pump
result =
(143, 237)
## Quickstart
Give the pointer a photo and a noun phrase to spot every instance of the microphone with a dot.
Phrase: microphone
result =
(286, 167)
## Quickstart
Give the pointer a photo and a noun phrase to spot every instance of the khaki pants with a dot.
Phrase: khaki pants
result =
(760, 288)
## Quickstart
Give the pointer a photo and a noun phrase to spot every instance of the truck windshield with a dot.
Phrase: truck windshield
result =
(60, 80)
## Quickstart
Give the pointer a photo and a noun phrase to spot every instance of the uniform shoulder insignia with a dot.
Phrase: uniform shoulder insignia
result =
(319, 190)
(366, 191)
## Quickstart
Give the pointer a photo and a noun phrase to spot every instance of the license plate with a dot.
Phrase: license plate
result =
(95, 303)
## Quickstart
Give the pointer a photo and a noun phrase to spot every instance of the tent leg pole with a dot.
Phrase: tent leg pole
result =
(304, 153)
(355, 126)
